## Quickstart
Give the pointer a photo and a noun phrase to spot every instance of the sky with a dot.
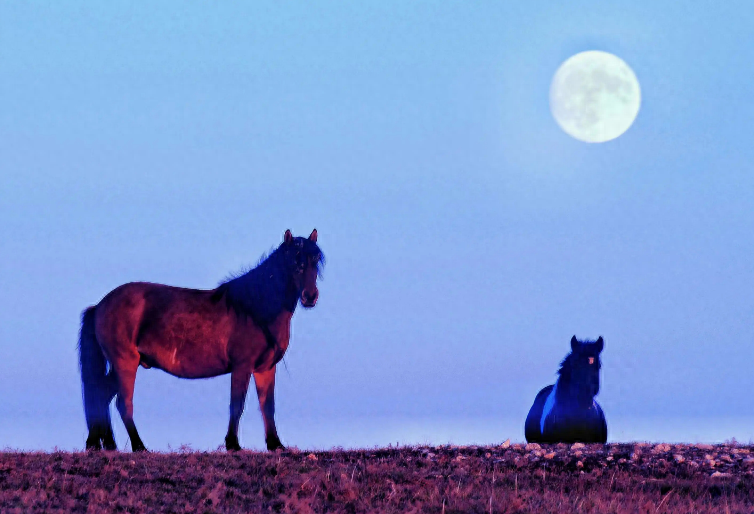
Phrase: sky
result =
(467, 236)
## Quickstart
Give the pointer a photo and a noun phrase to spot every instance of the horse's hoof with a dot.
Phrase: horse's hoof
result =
(232, 444)
(93, 446)
(108, 442)
(274, 444)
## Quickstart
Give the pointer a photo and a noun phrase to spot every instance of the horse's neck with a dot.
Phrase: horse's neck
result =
(266, 291)
(568, 393)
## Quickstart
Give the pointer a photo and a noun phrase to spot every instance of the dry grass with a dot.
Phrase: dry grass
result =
(554, 479)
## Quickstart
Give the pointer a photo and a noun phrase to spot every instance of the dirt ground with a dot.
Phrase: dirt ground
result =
(518, 478)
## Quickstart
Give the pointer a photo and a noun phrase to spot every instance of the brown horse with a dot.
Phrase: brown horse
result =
(241, 328)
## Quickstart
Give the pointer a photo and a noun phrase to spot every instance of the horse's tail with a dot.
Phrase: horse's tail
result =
(96, 386)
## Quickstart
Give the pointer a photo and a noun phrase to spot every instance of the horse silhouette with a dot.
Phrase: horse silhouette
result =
(566, 411)
(242, 327)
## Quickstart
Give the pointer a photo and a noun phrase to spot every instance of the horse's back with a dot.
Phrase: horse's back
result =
(532, 430)
(127, 306)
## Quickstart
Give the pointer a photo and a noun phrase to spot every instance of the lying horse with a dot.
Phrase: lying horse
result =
(566, 412)
(241, 328)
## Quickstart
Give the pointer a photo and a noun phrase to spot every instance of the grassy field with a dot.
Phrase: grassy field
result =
(617, 478)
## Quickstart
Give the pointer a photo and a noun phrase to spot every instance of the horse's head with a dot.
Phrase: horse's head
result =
(304, 261)
(584, 363)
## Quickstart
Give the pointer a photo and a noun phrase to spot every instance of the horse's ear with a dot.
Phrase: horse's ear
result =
(574, 344)
(288, 238)
(313, 236)
(600, 344)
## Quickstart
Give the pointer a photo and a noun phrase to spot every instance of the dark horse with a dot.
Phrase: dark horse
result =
(566, 412)
(241, 328)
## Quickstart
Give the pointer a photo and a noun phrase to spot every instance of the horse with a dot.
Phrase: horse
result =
(242, 327)
(566, 411)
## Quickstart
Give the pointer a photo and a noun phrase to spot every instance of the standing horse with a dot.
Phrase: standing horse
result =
(241, 328)
(566, 412)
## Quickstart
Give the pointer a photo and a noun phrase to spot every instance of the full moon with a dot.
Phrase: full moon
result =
(594, 96)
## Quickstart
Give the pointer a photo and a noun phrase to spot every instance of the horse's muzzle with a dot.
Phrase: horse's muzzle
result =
(309, 300)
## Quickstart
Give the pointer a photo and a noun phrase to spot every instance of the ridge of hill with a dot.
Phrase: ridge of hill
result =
(506, 478)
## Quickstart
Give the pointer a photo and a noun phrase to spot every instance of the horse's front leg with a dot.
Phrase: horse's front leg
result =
(265, 382)
(239, 385)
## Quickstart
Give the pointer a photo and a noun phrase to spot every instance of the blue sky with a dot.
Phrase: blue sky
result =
(468, 238)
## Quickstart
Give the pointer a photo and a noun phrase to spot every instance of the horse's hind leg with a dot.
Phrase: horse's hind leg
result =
(108, 438)
(100, 429)
(125, 374)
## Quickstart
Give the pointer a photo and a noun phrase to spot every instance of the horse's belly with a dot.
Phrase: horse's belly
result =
(569, 427)
(187, 359)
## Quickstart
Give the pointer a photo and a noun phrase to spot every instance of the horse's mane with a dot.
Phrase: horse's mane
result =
(260, 291)
(565, 366)
(245, 269)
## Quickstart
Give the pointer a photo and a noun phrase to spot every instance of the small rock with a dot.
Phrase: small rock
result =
(577, 446)
(578, 453)
(506, 444)
(532, 446)
(726, 458)
(718, 474)
(550, 455)
(705, 446)
(311, 456)
(609, 458)
(488, 455)
(661, 448)
(748, 462)
(679, 458)
(579, 464)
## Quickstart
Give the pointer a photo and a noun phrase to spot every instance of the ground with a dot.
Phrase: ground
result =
(552, 479)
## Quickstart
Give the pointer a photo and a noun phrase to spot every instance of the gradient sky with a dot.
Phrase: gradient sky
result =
(467, 237)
